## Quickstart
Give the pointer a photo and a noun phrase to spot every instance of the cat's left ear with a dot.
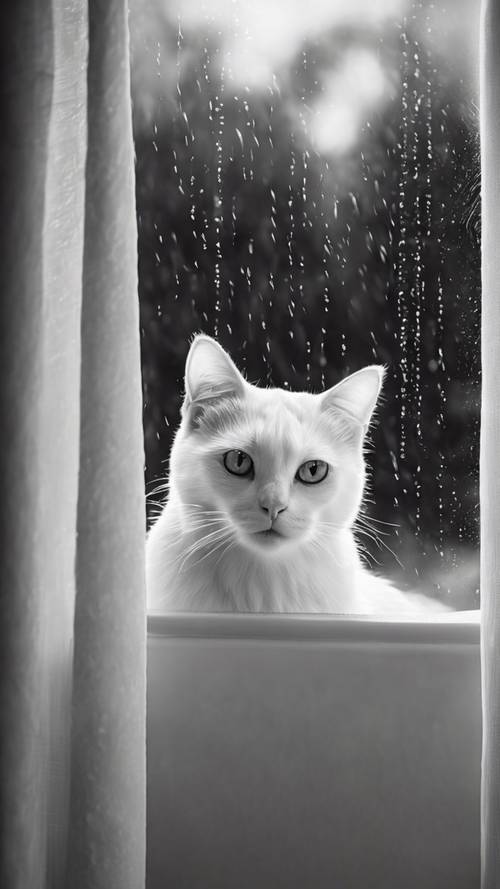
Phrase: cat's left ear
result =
(356, 395)
(210, 375)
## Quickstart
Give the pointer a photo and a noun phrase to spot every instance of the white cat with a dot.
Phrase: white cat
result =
(264, 489)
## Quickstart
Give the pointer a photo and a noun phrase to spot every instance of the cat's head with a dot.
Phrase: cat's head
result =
(280, 468)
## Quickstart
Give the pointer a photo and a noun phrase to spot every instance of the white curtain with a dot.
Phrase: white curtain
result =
(72, 603)
(490, 443)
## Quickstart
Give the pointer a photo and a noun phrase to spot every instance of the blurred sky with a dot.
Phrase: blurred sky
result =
(260, 38)
(262, 35)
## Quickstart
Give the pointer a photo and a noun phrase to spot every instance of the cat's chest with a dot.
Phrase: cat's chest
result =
(301, 582)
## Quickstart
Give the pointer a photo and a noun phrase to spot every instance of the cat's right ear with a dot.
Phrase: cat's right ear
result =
(210, 375)
(355, 396)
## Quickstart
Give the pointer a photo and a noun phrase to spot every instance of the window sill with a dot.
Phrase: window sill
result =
(454, 627)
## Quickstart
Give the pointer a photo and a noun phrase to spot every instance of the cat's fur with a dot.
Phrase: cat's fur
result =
(207, 551)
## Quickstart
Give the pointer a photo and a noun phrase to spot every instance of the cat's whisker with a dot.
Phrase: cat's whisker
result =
(155, 504)
(365, 553)
(193, 522)
(191, 527)
(199, 521)
(363, 515)
(207, 514)
(373, 534)
(201, 517)
(376, 540)
(160, 486)
(200, 506)
(157, 490)
(363, 524)
(198, 515)
(175, 542)
(379, 543)
(324, 527)
(224, 551)
(376, 531)
(330, 525)
(199, 541)
(206, 539)
(367, 522)
(211, 551)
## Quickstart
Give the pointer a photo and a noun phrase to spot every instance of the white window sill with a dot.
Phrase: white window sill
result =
(453, 626)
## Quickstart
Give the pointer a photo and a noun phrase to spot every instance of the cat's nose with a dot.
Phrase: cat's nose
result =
(272, 509)
(273, 500)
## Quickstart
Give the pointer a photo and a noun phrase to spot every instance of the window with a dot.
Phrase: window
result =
(307, 191)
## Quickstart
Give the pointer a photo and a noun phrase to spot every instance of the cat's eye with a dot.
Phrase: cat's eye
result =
(312, 471)
(238, 463)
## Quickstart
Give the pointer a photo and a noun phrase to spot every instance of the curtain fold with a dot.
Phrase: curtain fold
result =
(107, 823)
(72, 603)
(58, 437)
(26, 94)
(490, 438)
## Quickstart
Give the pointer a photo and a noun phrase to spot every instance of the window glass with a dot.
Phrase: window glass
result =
(308, 193)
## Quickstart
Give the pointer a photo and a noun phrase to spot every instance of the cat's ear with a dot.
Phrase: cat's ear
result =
(356, 395)
(210, 375)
